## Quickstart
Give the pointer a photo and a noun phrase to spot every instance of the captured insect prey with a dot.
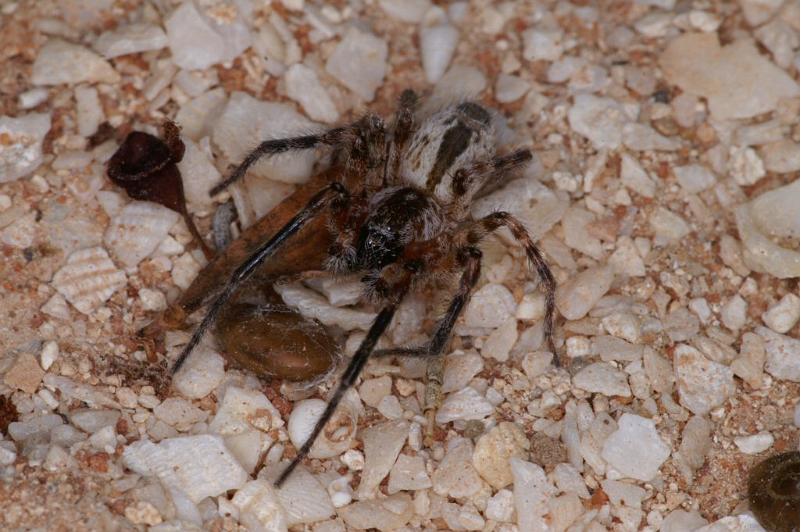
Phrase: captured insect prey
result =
(394, 208)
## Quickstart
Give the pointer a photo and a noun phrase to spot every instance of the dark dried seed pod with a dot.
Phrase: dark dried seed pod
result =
(774, 492)
(146, 167)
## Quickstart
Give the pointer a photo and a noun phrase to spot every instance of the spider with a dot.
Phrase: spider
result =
(398, 212)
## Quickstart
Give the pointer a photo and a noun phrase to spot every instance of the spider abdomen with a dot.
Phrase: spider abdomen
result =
(446, 142)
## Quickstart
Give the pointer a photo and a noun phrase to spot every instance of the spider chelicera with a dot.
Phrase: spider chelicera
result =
(398, 213)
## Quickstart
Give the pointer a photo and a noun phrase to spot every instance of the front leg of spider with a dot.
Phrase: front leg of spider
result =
(320, 200)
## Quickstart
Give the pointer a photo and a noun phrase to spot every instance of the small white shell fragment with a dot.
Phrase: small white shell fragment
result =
(329, 443)
(62, 62)
(179, 413)
(137, 231)
(390, 513)
(198, 173)
(304, 499)
(783, 354)
(200, 374)
(31, 98)
(499, 343)
(410, 11)
(635, 449)
(259, 508)
(184, 270)
(783, 315)
(200, 466)
(598, 119)
(198, 40)
(90, 111)
(437, 44)
(359, 62)
(382, 444)
(755, 443)
(49, 354)
(510, 88)
(532, 490)
(603, 378)
(456, 476)
(21, 149)
(25, 373)
(88, 279)
(312, 305)
(408, 474)
(459, 369)
(465, 404)
(245, 122)
(304, 87)
(248, 447)
(242, 410)
(131, 39)
(490, 307)
(578, 295)
(702, 384)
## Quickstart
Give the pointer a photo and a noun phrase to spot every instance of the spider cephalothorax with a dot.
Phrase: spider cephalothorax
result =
(398, 213)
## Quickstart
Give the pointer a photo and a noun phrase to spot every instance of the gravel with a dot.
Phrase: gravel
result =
(662, 192)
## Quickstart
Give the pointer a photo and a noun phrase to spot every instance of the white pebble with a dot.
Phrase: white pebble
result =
(200, 466)
(754, 444)
(410, 11)
(510, 88)
(576, 297)
(21, 149)
(202, 372)
(62, 62)
(602, 377)
(702, 384)
(783, 354)
(382, 444)
(304, 87)
(131, 39)
(437, 45)
(465, 404)
(490, 307)
(541, 45)
(196, 42)
(49, 354)
(783, 315)
(359, 63)
(152, 300)
(734, 313)
(635, 449)
(33, 97)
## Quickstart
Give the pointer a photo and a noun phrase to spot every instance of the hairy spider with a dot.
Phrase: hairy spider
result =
(398, 212)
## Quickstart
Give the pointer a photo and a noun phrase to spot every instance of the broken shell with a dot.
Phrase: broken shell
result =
(137, 231)
(88, 279)
(273, 339)
(336, 437)
(302, 496)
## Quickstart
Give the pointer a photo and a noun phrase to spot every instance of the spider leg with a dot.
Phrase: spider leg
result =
(276, 146)
(349, 377)
(402, 129)
(248, 267)
(467, 182)
(496, 220)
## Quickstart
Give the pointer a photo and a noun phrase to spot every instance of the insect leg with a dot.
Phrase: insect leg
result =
(470, 180)
(402, 129)
(246, 269)
(499, 219)
(348, 379)
(276, 146)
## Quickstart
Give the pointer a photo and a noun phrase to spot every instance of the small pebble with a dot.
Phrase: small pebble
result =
(754, 444)
(783, 315)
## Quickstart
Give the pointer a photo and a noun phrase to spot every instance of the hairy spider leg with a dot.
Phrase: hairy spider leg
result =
(246, 269)
(402, 128)
(477, 230)
(276, 146)
(467, 182)
(348, 379)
